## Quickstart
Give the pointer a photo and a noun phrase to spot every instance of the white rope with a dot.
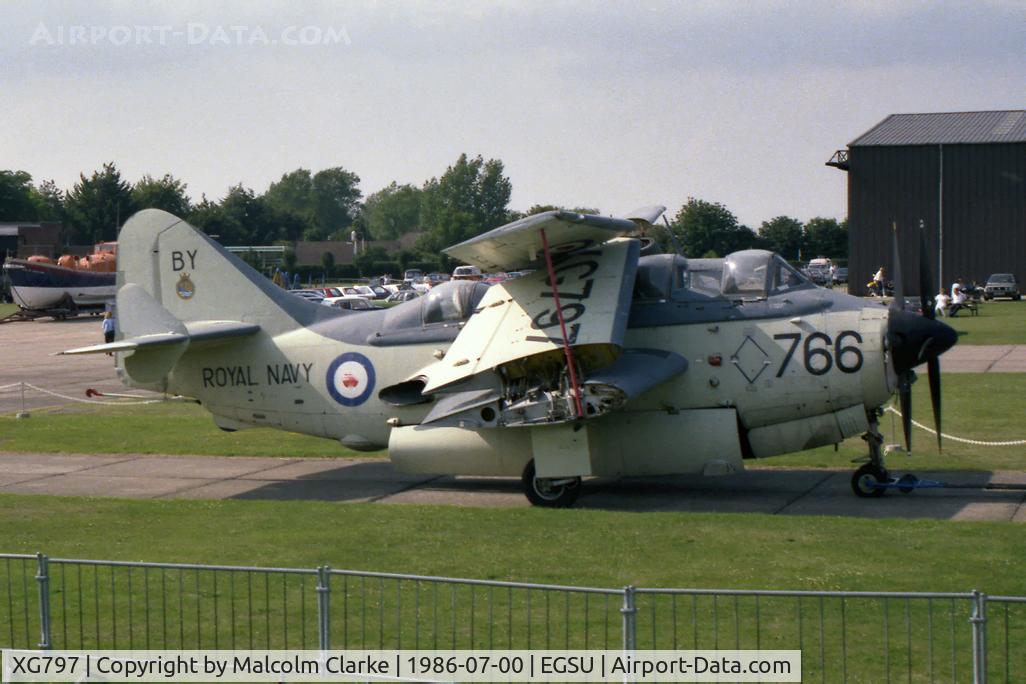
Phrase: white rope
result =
(960, 440)
(77, 399)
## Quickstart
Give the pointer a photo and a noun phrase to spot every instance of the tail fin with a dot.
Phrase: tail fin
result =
(195, 279)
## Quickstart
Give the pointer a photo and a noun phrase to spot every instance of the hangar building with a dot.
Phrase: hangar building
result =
(963, 174)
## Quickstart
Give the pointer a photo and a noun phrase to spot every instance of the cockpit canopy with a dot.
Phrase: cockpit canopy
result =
(449, 302)
(748, 274)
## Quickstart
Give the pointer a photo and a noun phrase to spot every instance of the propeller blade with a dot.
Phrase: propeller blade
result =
(926, 298)
(905, 397)
(898, 302)
(933, 368)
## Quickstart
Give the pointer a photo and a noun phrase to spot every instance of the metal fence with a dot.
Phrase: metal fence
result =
(53, 603)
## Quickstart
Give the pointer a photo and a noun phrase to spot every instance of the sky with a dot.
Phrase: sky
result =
(614, 105)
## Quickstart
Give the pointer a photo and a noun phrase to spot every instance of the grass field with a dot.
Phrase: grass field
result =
(93, 606)
(537, 545)
(6, 309)
(164, 428)
(999, 322)
(979, 406)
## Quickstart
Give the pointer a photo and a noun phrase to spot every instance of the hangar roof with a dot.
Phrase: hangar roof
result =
(946, 128)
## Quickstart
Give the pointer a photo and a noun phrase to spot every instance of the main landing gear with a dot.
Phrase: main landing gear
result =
(550, 492)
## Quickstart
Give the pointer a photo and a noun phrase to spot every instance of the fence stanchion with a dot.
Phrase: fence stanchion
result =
(324, 607)
(43, 581)
(23, 413)
(629, 612)
(979, 625)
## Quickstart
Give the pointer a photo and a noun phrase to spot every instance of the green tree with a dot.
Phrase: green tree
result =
(367, 258)
(293, 193)
(710, 228)
(336, 200)
(49, 200)
(16, 197)
(98, 205)
(288, 260)
(392, 211)
(328, 262)
(324, 203)
(826, 237)
(167, 193)
(783, 235)
(470, 198)
(258, 224)
(212, 219)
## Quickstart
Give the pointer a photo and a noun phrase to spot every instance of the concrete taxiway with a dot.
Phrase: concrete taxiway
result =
(345, 480)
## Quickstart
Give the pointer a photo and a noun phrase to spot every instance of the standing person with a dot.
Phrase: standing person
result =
(108, 328)
(878, 282)
(942, 300)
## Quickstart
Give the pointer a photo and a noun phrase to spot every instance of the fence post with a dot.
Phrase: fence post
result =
(23, 413)
(629, 611)
(324, 607)
(43, 579)
(979, 626)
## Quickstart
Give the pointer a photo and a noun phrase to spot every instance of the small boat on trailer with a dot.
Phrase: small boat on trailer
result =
(66, 286)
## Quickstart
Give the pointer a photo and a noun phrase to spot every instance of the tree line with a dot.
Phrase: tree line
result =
(471, 197)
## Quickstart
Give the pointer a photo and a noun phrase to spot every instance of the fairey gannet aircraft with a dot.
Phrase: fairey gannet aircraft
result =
(603, 361)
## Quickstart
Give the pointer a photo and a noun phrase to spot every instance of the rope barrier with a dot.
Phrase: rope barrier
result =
(960, 440)
(25, 385)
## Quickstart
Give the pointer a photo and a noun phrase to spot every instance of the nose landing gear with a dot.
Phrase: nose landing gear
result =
(871, 478)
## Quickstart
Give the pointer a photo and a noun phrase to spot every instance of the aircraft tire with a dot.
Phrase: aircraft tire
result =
(540, 493)
(863, 479)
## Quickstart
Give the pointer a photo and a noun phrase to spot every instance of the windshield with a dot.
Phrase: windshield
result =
(745, 273)
(452, 302)
(785, 277)
(1002, 278)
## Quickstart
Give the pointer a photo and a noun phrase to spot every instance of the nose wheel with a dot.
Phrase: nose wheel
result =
(866, 480)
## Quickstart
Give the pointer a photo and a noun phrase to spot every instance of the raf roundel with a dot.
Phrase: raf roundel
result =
(350, 379)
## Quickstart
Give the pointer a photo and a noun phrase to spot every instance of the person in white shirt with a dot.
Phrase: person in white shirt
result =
(878, 282)
(941, 302)
(957, 299)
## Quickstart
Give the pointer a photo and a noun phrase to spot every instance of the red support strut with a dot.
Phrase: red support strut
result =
(568, 351)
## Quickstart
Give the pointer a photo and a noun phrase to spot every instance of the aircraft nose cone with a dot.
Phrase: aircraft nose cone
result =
(914, 339)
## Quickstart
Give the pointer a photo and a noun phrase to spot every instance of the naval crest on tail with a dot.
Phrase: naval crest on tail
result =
(185, 288)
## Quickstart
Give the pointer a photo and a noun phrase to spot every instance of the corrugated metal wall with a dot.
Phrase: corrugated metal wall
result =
(984, 210)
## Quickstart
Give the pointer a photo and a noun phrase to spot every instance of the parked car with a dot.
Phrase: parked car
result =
(1002, 285)
(412, 275)
(353, 303)
(841, 274)
(367, 291)
(403, 296)
(309, 295)
(467, 273)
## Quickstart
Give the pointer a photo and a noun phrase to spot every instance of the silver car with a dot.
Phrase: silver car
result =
(1002, 285)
